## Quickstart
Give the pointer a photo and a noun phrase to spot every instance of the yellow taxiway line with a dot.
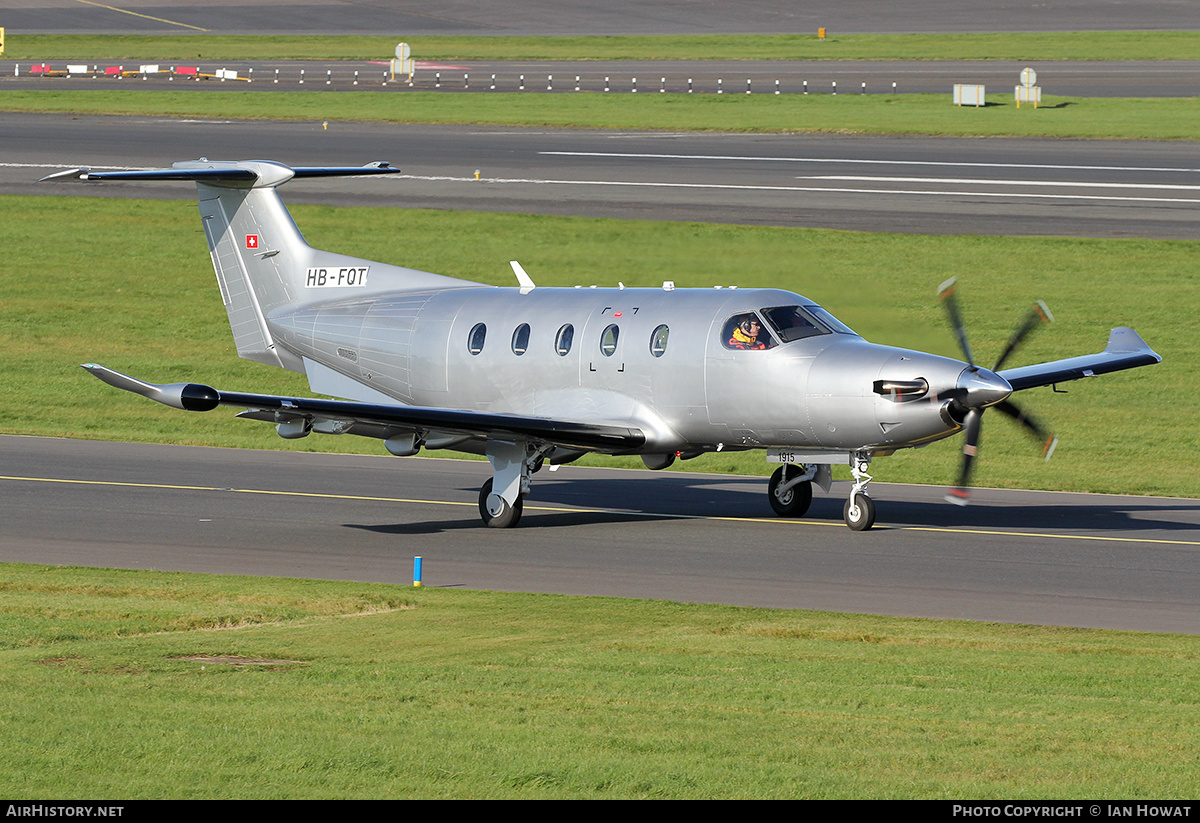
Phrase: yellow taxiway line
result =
(135, 14)
(771, 520)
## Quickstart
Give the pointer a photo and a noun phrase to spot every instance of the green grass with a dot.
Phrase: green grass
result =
(1026, 46)
(1115, 118)
(111, 688)
(128, 284)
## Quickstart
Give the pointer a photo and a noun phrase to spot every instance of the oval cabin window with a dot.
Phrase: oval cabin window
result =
(608, 340)
(520, 340)
(658, 341)
(475, 338)
(562, 341)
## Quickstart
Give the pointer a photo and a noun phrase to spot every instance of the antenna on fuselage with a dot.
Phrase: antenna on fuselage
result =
(527, 284)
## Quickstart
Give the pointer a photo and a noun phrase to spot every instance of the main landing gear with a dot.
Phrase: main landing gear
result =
(500, 498)
(790, 492)
(790, 489)
(496, 511)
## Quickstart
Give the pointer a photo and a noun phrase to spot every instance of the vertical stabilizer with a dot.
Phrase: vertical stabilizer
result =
(223, 226)
(263, 265)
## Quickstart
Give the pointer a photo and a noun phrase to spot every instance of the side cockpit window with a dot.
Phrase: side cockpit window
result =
(745, 331)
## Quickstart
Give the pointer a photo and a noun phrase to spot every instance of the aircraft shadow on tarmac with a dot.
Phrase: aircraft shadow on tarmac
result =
(1115, 518)
(667, 497)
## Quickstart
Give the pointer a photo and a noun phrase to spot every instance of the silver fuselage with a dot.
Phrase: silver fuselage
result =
(693, 393)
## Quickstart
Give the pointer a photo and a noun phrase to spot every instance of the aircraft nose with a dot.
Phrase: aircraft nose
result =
(982, 387)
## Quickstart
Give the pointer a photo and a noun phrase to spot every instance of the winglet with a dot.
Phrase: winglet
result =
(69, 174)
(190, 396)
(527, 284)
(1124, 340)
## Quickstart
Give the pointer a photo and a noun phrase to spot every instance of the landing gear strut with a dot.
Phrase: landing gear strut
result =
(860, 509)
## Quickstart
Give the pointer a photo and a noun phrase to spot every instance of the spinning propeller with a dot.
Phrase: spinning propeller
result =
(979, 388)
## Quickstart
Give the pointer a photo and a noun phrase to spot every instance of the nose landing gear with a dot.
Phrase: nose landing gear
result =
(859, 512)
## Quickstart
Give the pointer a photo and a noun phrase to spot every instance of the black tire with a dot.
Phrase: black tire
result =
(862, 516)
(508, 517)
(792, 503)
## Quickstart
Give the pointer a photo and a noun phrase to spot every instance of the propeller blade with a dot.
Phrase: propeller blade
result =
(946, 295)
(981, 388)
(1039, 432)
(960, 494)
(1040, 313)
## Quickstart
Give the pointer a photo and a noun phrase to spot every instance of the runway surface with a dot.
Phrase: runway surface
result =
(543, 17)
(923, 185)
(1030, 557)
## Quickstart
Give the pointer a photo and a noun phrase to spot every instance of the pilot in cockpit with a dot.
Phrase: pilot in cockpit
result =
(746, 334)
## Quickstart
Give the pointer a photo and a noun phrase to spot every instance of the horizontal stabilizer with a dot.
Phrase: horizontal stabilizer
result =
(262, 172)
(1125, 350)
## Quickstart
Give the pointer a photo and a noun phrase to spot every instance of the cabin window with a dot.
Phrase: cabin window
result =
(793, 323)
(520, 339)
(562, 341)
(658, 341)
(745, 331)
(475, 338)
(608, 340)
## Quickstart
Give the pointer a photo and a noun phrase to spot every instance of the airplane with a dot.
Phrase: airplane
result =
(530, 375)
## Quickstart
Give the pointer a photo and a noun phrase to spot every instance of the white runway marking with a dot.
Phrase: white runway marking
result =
(975, 181)
(864, 162)
(794, 189)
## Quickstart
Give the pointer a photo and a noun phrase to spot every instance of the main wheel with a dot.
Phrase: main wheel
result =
(793, 502)
(506, 518)
(859, 512)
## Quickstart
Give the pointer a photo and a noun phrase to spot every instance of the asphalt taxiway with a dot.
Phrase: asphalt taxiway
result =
(1099, 561)
(898, 184)
(575, 17)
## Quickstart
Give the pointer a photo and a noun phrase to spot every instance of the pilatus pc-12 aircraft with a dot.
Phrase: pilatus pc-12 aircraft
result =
(531, 375)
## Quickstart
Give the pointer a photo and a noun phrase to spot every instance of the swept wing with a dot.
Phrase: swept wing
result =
(377, 420)
(1125, 350)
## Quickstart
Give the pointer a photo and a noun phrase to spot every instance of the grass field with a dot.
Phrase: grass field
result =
(1155, 119)
(129, 284)
(1029, 46)
(122, 684)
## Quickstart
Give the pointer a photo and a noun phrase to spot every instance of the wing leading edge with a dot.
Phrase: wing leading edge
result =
(377, 420)
(1125, 350)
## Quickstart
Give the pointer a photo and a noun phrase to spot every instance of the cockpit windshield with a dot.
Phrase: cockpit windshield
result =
(793, 323)
(828, 320)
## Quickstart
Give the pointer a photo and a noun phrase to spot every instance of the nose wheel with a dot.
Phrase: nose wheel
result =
(860, 509)
(859, 512)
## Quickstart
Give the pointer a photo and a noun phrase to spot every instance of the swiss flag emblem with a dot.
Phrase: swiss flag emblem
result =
(252, 241)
